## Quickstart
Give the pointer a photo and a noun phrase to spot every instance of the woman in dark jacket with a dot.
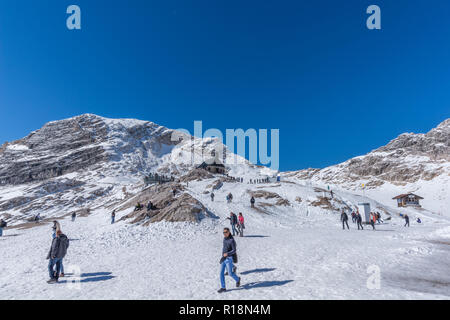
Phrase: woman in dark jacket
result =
(226, 262)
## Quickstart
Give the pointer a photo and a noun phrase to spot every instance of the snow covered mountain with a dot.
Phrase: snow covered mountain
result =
(294, 246)
(418, 163)
(89, 161)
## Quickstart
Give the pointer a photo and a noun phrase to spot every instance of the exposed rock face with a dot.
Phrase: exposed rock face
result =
(81, 143)
(267, 195)
(408, 158)
(180, 207)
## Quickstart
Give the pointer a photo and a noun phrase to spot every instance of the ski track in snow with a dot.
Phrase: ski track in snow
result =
(287, 255)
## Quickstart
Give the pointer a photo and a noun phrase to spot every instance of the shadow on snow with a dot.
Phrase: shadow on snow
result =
(258, 270)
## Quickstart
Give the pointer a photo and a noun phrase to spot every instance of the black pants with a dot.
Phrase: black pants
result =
(344, 222)
(372, 224)
(360, 224)
(407, 223)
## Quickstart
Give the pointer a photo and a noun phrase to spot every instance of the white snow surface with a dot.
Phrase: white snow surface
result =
(292, 252)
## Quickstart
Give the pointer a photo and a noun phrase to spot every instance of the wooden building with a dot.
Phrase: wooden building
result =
(408, 200)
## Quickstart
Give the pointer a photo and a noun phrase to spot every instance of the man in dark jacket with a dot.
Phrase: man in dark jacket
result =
(3, 224)
(359, 221)
(252, 202)
(344, 219)
(233, 221)
(57, 252)
(226, 262)
(406, 220)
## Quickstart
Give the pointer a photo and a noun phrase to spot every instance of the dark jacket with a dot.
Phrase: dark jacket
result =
(358, 218)
(229, 247)
(252, 200)
(59, 247)
(406, 218)
(344, 216)
(233, 219)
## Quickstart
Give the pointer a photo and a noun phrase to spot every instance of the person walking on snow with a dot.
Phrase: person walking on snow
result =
(406, 220)
(57, 228)
(113, 216)
(252, 202)
(344, 219)
(229, 256)
(233, 221)
(379, 220)
(212, 196)
(57, 252)
(74, 215)
(3, 224)
(229, 198)
(241, 224)
(359, 220)
(373, 219)
(353, 216)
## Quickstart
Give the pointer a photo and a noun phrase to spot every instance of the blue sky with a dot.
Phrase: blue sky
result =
(309, 68)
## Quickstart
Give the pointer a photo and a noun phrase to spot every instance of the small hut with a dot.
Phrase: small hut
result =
(408, 200)
(213, 166)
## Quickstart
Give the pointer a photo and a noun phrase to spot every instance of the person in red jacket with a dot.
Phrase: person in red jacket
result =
(373, 220)
(241, 225)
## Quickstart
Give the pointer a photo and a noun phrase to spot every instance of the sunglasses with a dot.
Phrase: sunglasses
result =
(226, 232)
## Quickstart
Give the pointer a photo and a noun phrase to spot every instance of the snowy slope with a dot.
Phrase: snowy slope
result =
(287, 253)
(294, 246)
(418, 163)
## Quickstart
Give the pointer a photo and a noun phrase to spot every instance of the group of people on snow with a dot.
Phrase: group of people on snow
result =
(262, 180)
(237, 224)
(374, 218)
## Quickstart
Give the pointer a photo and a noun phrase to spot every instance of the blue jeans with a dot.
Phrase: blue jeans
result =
(228, 264)
(233, 229)
(1, 232)
(62, 267)
(112, 220)
(51, 264)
